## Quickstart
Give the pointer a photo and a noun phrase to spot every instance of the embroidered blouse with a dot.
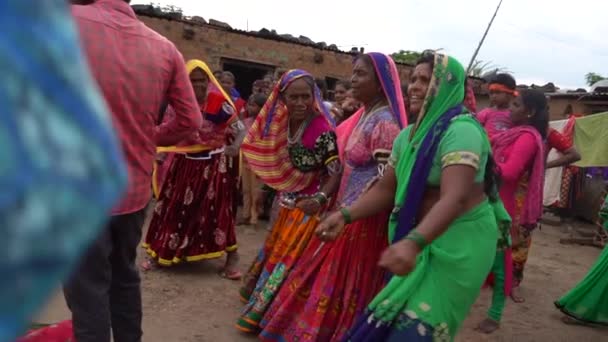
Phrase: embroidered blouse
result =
(316, 151)
(366, 153)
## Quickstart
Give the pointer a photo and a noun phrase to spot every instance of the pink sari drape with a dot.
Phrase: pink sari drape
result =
(533, 205)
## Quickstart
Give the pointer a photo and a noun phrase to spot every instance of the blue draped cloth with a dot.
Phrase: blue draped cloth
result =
(61, 170)
(420, 173)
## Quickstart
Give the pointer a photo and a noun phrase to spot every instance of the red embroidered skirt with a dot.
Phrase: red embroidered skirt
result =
(194, 216)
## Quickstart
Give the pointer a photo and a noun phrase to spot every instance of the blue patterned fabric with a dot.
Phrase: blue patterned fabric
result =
(60, 167)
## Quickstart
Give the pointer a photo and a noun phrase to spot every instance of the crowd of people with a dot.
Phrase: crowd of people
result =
(393, 204)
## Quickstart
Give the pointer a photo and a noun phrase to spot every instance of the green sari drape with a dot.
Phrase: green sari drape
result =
(588, 300)
(433, 300)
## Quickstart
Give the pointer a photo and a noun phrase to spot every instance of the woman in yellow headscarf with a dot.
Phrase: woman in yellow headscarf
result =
(194, 216)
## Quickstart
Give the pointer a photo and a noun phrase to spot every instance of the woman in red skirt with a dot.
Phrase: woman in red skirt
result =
(333, 282)
(194, 216)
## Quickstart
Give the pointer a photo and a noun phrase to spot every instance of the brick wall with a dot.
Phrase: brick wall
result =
(211, 44)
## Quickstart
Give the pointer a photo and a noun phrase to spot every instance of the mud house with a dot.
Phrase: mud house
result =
(562, 103)
(251, 55)
(586, 103)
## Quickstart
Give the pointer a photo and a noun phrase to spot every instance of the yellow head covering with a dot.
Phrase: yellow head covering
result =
(191, 65)
(194, 64)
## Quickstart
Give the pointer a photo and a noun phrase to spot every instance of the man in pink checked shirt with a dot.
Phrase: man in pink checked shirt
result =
(137, 70)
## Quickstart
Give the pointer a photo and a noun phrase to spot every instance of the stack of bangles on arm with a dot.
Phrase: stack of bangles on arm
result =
(321, 197)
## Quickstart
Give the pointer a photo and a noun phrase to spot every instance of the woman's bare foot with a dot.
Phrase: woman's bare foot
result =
(488, 326)
(516, 295)
(148, 265)
(230, 270)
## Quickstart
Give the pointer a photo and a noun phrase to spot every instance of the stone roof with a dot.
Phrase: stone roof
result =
(152, 11)
(596, 96)
(264, 33)
(547, 88)
(600, 86)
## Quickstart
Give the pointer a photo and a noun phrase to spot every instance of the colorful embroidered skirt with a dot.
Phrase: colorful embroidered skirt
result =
(588, 300)
(287, 241)
(194, 217)
(330, 286)
(431, 303)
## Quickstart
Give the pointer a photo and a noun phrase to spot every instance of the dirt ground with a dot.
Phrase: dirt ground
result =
(191, 303)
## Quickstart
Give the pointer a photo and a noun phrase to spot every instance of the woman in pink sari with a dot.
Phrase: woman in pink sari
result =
(520, 157)
(333, 282)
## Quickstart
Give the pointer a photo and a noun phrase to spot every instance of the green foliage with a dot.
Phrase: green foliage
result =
(480, 68)
(406, 56)
(591, 78)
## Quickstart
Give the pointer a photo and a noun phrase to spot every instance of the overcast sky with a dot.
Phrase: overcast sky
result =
(539, 41)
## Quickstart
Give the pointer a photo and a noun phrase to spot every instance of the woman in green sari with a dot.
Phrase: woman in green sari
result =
(587, 302)
(443, 228)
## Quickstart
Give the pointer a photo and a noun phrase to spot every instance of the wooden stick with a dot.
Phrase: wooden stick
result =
(483, 38)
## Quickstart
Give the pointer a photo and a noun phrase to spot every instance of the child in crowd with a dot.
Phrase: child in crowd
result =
(250, 183)
(341, 91)
(497, 119)
(503, 89)
(346, 108)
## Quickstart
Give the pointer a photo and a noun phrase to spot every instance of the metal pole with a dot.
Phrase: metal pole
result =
(483, 38)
